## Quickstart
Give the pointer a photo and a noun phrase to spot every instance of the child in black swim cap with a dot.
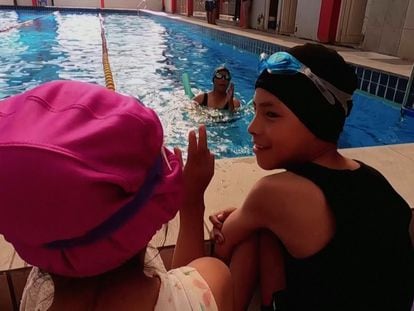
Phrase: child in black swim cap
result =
(329, 233)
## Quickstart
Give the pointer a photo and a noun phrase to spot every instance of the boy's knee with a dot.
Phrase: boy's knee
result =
(218, 277)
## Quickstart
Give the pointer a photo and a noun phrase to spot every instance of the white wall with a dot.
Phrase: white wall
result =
(406, 48)
(168, 7)
(155, 5)
(78, 3)
(384, 24)
(258, 7)
(6, 2)
(307, 19)
(24, 2)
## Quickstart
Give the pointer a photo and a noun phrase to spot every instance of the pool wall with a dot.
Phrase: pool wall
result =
(379, 83)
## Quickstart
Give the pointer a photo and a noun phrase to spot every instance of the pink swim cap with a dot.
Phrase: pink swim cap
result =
(84, 185)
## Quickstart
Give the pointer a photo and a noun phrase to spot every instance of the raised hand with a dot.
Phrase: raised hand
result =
(198, 171)
(199, 168)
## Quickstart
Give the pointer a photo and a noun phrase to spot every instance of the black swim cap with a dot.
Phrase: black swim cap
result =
(303, 98)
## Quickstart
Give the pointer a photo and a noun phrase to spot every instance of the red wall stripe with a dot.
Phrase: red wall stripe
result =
(173, 6)
(328, 20)
(190, 8)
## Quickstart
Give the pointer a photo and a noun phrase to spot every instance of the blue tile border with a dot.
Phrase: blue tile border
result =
(375, 82)
(381, 84)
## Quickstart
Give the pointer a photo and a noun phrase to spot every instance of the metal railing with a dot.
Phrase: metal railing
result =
(406, 106)
(142, 5)
(408, 89)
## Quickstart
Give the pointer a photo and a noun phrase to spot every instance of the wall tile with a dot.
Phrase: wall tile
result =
(375, 76)
(396, 14)
(399, 96)
(381, 91)
(409, 18)
(406, 47)
(392, 82)
(367, 74)
(372, 38)
(373, 88)
(365, 85)
(390, 41)
(376, 12)
(390, 94)
(384, 79)
(402, 84)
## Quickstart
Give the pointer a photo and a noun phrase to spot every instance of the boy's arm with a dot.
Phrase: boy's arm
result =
(244, 221)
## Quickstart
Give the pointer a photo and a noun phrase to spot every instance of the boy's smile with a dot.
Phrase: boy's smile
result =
(280, 139)
(258, 147)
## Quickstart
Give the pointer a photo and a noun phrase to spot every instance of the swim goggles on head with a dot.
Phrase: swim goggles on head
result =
(284, 63)
(219, 75)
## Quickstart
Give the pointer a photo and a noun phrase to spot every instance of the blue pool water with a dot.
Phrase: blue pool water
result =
(148, 56)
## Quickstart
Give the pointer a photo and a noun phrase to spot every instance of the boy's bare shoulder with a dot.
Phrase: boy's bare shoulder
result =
(286, 192)
(286, 183)
(287, 199)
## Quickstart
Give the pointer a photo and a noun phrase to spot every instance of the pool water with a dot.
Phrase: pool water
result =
(148, 56)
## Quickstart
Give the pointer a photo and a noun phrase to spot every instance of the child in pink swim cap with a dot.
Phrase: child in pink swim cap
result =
(86, 182)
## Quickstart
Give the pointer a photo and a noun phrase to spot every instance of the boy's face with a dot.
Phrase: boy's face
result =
(280, 138)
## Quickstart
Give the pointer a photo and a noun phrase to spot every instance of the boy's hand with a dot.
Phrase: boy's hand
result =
(217, 220)
(199, 168)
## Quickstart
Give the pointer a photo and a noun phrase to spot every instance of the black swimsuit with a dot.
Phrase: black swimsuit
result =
(369, 263)
(205, 102)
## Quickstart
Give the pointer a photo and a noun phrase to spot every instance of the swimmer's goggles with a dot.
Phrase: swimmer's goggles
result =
(225, 76)
(284, 63)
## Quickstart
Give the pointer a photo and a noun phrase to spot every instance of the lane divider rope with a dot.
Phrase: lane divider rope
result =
(109, 81)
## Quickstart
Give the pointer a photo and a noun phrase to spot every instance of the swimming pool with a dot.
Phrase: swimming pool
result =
(148, 56)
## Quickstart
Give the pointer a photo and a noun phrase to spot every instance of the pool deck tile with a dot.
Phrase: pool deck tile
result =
(6, 254)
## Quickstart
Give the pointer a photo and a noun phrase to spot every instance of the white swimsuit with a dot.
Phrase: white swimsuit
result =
(181, 289)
